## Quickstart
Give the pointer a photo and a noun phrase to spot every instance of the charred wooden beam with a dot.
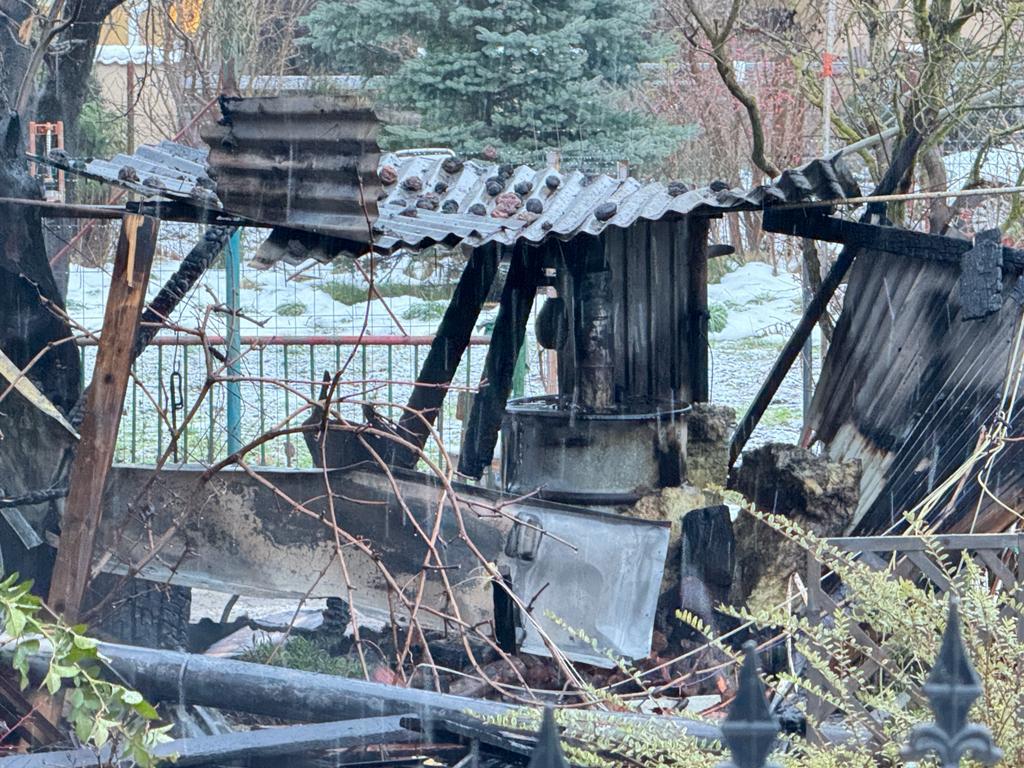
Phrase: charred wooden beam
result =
(447, 349)
(192, 267)
(506, 342)
(899, 168)
(132, 263)
(813, 224)
(15, 707)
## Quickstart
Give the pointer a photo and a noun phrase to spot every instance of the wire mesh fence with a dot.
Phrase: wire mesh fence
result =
(297, 323)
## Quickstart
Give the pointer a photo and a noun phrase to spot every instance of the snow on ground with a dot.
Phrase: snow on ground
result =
(761, 304)
(763, 307)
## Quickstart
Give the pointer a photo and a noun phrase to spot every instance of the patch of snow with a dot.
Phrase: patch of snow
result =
(760, 304)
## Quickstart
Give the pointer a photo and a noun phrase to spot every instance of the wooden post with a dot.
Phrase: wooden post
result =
(499, 367)
(812, 313)
(447, 349)
(132, 264)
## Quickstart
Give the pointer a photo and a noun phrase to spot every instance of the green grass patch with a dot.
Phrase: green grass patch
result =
(350, 294)
(428, 310)
(781, 416)
(304, 654)
(291, 309)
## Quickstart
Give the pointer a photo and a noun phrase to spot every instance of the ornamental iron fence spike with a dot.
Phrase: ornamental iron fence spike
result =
(952, 687)
(548, 751)
(749, 730)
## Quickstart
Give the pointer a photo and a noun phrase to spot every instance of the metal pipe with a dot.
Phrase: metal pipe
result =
(233, 267)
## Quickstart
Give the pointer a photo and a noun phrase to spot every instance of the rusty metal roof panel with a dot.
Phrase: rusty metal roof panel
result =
(303, 162)
(445, 199)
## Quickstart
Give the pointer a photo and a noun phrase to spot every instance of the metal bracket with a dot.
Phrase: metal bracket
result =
(524, 539)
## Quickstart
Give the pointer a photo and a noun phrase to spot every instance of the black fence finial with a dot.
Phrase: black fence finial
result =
(548, 752)
(749, 730)
(951, 688)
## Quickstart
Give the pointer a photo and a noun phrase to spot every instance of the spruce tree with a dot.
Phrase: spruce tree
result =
(521, 75)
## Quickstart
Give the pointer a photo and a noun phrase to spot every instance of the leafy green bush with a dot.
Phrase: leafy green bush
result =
(428, 310)
(718, 317)
(101, 712)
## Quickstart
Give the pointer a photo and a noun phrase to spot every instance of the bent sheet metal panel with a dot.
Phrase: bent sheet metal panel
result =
(907, 387)
(597, 572)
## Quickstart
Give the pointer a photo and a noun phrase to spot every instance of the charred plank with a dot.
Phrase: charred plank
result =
(446, 351)
(506, 343)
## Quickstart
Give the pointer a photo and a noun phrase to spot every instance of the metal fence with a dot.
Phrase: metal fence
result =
(296, 324)
(750, 731)
(280, 372)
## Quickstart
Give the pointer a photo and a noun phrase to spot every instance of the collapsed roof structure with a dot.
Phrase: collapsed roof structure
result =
(627, 317)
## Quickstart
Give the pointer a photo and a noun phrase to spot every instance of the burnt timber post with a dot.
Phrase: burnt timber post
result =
(506, 342)
(447, 349)
(135, 249)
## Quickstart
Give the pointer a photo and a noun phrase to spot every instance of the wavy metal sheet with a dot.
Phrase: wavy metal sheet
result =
(167, 169)
(303, 162)
(312, 164)
(446, 200)
(909, 386)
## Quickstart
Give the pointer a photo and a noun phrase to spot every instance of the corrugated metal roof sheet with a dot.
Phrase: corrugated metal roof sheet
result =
(309, 163)
(167, 169)
(303, 162)
(445, 200)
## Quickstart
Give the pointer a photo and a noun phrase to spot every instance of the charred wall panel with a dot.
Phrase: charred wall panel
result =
(908, 386)
(654, 300)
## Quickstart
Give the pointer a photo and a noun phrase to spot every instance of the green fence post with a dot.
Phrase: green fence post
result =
(233, 268)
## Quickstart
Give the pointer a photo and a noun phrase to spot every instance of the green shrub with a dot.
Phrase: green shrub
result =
(350, 294)
(718, 317)
(100, 712)
(302, 653)
(291, 309)
(904, 619)
(428, 310)
(345, 293)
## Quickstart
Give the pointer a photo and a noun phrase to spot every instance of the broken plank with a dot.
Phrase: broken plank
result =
(20, 381)
(446, 351)
(135, 249)
(506, 343)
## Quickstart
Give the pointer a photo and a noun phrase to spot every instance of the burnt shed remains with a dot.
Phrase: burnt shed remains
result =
(626, 262)
(916, 370)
